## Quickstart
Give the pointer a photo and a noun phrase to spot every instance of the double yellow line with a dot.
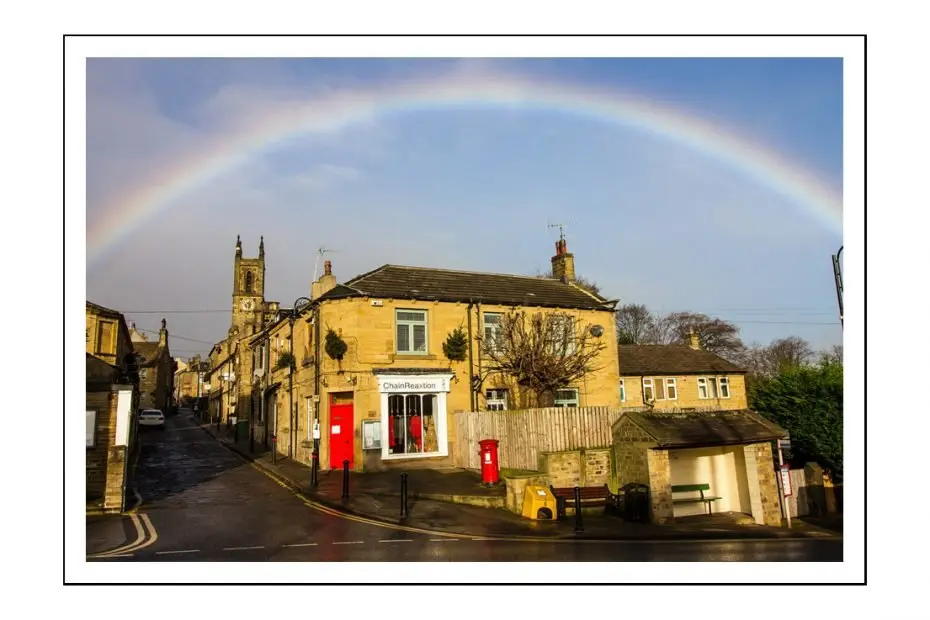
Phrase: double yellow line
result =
(146, 535)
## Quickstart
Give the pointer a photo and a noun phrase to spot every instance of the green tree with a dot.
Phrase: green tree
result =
(807, 401)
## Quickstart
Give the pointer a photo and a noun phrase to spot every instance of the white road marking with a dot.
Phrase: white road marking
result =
(444, 539)
(350, 542)
(183, 551)
(397, 540)
(301, 545)
(482, 539)
(117, 555)
(242, 548)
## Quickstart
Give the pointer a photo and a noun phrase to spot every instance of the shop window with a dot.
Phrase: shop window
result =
(412, 424)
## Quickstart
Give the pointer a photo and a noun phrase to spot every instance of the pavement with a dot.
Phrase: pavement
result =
(445, 501)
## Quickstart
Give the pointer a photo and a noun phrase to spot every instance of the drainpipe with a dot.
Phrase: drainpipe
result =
(481, 333)
(471, 387)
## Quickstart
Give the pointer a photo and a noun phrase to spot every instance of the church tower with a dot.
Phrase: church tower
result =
(248, 290)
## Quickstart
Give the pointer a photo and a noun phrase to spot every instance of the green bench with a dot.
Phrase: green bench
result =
(694, 488)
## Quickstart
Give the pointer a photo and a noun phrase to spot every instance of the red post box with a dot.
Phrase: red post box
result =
(490, 474)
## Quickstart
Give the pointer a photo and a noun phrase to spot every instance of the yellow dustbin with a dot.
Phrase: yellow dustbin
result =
(538, 503)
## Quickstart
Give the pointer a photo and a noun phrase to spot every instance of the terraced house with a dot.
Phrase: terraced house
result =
(364, 361)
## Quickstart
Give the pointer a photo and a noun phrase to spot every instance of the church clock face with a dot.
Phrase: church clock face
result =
(248, 305)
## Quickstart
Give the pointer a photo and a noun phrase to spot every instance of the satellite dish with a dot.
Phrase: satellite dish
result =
(597, 331)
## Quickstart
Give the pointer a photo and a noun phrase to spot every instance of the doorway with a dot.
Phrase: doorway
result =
(341, 430)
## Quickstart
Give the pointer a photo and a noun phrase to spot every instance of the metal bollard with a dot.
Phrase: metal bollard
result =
(578, 525)
(314, 467)
(274, 449)
(345, 479)
(403, 495)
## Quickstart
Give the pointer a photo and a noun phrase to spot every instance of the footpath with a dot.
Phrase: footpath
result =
(453, 502)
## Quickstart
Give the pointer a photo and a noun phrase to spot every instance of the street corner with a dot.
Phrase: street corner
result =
(108, 532)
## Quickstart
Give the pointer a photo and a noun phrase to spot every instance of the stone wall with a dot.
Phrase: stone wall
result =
(761, 453)
(630, 447)
(587, 467)
(660, 487)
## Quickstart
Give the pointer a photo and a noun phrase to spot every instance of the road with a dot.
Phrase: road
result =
(201, 502)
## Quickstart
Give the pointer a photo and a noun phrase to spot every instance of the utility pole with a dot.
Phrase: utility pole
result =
(838, 278)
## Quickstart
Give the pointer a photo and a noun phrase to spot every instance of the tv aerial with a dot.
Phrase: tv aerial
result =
(316, 265)
(561, 228)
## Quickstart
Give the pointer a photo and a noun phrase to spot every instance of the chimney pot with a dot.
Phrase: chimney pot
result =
(327, 268)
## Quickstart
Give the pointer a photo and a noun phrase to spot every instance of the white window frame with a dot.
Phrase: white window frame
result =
(496, 399)
(647, 384)
(720, 384)
(492, 332)
(566, 402)
(409, 324)
(671, 383)
(622, 391)
(565, 324)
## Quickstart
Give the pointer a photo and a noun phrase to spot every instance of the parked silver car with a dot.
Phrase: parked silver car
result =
(152, 417)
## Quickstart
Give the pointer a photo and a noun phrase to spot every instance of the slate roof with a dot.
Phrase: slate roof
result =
(98, 309)
(425, 283)
(705, 429)
(147, 350)
(662, 359)
(99, 373)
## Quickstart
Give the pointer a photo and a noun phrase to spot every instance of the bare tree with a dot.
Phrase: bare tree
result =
(635, 324)
(714, 335)
(790, 351)
(542, 353)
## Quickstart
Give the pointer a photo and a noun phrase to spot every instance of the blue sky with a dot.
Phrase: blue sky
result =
(651, 220)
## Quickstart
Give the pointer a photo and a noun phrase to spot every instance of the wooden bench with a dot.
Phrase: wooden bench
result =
(695, 488)
(591, 497)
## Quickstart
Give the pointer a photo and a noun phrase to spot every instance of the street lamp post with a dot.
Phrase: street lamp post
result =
(299, 303)
(838, 278)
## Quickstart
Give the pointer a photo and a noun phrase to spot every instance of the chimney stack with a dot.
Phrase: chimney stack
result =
(694, 341)
(163, 334)
(326, 283)
(563, 263)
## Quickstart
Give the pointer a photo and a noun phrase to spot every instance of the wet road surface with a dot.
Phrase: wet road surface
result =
(201, 502)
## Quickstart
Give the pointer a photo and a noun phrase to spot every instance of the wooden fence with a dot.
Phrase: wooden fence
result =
(525, 433)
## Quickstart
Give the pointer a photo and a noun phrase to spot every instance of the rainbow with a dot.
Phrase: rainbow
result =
(122, 217)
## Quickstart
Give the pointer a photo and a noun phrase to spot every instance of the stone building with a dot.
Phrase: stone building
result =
(112, 394)
(156, 372)
(250, 314)
(687, 422)
(679, 377)
(389, 400)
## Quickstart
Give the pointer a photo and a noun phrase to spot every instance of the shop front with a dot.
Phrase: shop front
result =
(413, 415)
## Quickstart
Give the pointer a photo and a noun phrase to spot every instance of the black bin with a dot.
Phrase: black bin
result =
(635, 502)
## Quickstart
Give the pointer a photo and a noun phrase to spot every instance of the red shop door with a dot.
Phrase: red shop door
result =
(341, 435)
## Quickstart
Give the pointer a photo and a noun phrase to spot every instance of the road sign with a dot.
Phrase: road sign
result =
(785, 480)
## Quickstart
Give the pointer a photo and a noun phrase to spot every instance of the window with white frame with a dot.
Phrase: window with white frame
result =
(660, 388)
(562, 334)
(713, 387)
(622, 391)
(566, 398)
(492, 331)
(411, 332)
(497, 399)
